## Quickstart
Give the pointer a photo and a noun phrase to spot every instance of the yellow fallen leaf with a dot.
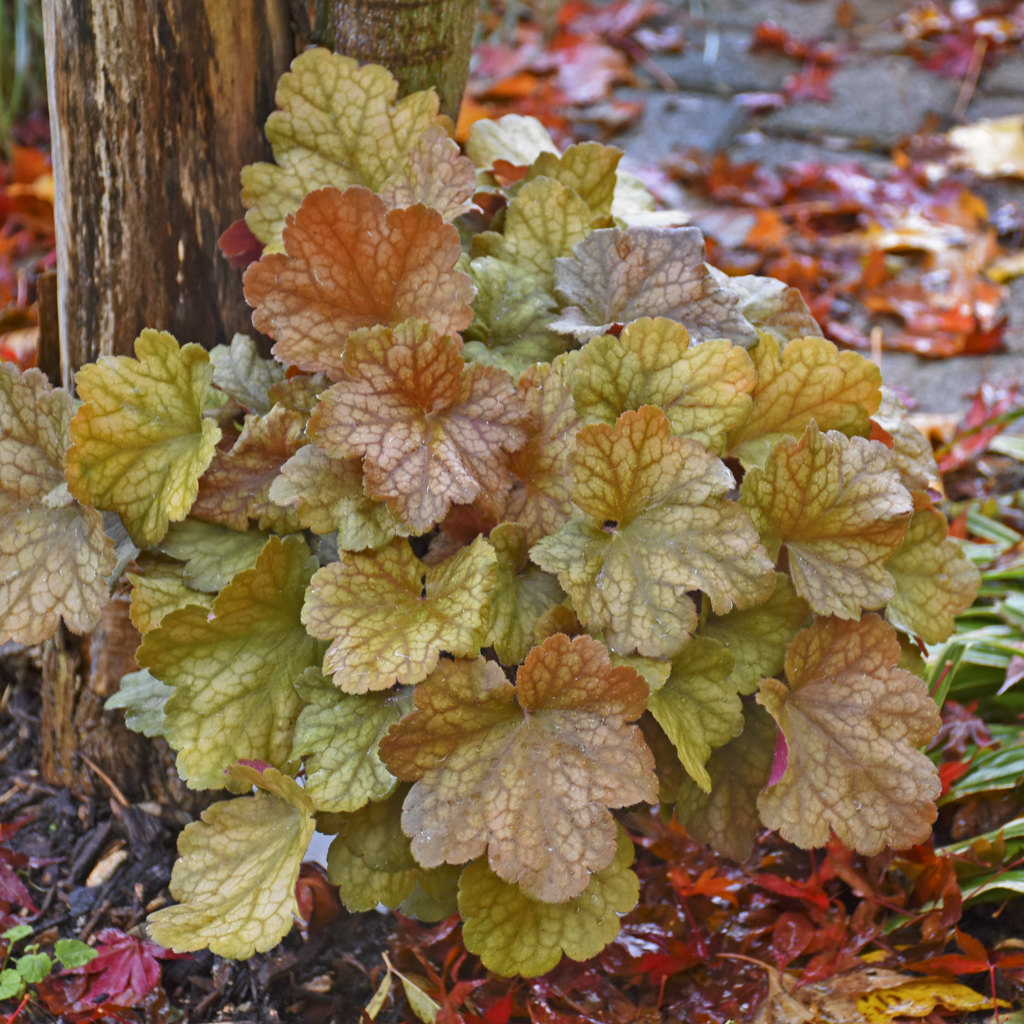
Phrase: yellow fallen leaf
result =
(1007, 267)
(993, 147)
(919, 998)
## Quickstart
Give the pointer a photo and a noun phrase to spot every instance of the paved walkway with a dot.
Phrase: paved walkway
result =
(879, 96)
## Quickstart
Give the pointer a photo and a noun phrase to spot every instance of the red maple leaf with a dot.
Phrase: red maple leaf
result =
(124, 972)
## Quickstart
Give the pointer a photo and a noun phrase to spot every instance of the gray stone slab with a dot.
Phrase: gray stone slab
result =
(994, 106)
(941, 386)
(1006, 77)
(734, 68)
(678, 120)
(805, 18)
(772, 151)
(883, 99)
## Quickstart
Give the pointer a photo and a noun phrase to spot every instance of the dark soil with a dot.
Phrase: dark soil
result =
(326, 977)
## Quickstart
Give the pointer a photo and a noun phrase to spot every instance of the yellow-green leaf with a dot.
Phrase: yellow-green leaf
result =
(726, 817)
(327, 495)
(213, 554)
(143, 699)
(771, 306)
(703, 389)
(698, 707)
(140, 442)
(514, 138)
(588, 169)
(233, 668)
(912, 451)
(243, 374)
(371, 862)
(514, 934)
(337, 734)
(935, 580)
(54, 554)
(852, 724)
(809, 380)
(159, 590)
(757, 637)
(526, 773)
(920, 998)
(522, 594)
(839, 507)
(337, 124)
(658, 526)
(237, 868)
(389, 616)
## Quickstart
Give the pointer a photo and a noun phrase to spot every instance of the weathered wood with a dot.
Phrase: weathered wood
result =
(155, 106)
(423, 43)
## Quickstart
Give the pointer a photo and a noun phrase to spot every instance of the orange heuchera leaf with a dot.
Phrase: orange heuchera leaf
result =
(808, 380)
(839, 507)
(236, 487)
(540, 500)
(351, 262)
(54, 555)
(431, 431)
(615, 277)
(525, 772)
(389, 616)
(658, 526)
(852, 723)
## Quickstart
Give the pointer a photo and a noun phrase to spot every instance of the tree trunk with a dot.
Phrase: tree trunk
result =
(423, 43)
(155, 106)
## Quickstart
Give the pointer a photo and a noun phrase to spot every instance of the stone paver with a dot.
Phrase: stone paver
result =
(678, 121)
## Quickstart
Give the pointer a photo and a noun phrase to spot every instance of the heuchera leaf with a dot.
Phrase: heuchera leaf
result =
(658, 526)
(589, 170)
(912, 451)
(143, 699)
(517, 139)
(616, 277)
(808, 380)
(213, 554)
(698, 707)
(327, 495)
(237, 868)
(236, 487)
(514, 934)
(159, 590)
(436, 174)
(54, 555)
(351, 262)
(430, 430)
(540, 500)
(522, 594)
(233, 668)
(703, 389)
(935, 580)
(771, 306)
(528, 772)
(300, 392)
(757, 637)
(140, 442)
(544, 221)
(389, 616)
(511, 316)
(240, 372)
(838, 506)
(337, 734)
(337, 124)
(852, 723)
(371, 862)
(726, 818)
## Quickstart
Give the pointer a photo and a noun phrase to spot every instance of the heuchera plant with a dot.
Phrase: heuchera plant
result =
(533, 516)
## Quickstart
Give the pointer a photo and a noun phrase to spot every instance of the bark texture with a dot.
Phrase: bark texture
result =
(155, 106)
(423, 43)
